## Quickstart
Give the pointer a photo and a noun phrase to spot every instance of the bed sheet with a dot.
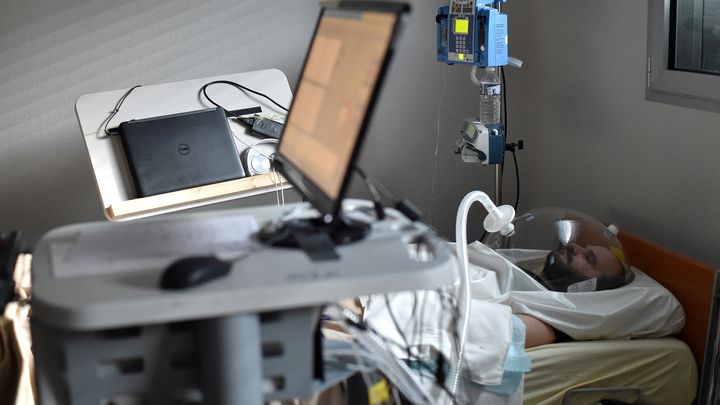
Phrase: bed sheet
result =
(663, 368)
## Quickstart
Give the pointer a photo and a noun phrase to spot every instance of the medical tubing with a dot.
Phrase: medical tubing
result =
(462, 257)
(398, 372)
(473, 76)
(383, 352)
(405, 379)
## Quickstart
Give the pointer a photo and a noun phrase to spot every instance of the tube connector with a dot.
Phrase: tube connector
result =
(500, 220)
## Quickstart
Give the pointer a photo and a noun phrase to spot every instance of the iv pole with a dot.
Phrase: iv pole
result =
(499, 167)
(498, 184)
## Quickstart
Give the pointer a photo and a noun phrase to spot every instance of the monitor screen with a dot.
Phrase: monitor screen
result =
(332, 101)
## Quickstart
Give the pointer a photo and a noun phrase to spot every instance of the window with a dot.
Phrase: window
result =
(684, 53)
(695, 30)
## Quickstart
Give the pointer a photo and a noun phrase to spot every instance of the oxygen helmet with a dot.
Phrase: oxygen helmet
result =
(565, 250)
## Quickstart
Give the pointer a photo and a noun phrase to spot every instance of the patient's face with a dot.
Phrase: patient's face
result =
(590, 261)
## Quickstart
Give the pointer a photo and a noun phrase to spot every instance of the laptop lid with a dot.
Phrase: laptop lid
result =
(334, 98)
(180, 151)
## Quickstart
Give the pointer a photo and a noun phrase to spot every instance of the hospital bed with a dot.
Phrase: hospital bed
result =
(657, 370)
(672, 370)
(667, 371)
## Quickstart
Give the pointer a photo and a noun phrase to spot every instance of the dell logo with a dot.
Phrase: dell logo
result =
(183, 149)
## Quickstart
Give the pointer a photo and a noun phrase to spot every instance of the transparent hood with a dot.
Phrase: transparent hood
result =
(565, 250)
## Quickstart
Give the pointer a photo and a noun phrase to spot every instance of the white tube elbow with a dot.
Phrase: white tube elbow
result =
(497, 220)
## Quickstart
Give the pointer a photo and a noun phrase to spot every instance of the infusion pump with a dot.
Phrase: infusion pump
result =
(472, 32)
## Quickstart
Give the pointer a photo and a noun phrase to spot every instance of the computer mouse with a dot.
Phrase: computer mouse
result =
(192, 271)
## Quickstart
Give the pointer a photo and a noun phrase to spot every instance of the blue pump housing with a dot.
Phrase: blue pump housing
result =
(479, 39)
(496, 143)
(493, 25)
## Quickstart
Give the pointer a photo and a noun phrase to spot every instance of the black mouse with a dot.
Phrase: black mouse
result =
(192, 271)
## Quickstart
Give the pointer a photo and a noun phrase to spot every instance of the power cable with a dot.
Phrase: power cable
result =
(115, 110)
(238, 86)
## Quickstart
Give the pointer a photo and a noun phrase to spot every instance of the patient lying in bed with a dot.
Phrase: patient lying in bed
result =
(567, 266)
(577, 290)
(641, 308)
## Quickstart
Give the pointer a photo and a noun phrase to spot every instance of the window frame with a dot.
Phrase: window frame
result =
(678, 87)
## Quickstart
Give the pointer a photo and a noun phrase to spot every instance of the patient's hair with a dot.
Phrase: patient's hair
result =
(559, 276)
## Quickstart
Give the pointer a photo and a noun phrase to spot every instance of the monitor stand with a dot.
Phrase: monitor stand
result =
(305, 232)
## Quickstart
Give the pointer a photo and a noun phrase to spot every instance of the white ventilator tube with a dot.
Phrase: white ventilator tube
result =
(498, 220)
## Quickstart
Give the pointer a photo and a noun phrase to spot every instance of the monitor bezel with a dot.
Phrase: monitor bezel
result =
(328, 207)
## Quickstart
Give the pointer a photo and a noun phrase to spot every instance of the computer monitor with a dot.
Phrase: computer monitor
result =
(334, 98)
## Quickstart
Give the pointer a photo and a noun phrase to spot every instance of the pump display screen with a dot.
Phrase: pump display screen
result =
(461, 26)
(333, 95)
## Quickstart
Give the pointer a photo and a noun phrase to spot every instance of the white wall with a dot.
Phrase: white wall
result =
(593, 142)
(52, 52)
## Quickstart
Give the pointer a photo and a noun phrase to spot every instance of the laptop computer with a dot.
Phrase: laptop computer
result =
(180, 151)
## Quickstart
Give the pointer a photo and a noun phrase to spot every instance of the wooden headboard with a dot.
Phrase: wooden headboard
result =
(689, 280)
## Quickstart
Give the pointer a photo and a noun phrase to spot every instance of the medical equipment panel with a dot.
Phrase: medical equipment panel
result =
(481, 143)
(472, 32)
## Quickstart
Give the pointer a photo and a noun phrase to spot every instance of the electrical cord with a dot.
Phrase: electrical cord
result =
(279, 194)
(377, 199)
(251, 146)
(447, 301)
(364, 373)
(264, 141)
(115, 110)
(504, 99)
(380, 186)
(517, 181)
(407, 347)
(439, 372)
(397, 326)
(396, 369)
(109, 132)
(274, 175)
(421, 324)
(512, 146)
(503, 95)
(238, 86)
(362, 325)
(279, 190)
(401, 204)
